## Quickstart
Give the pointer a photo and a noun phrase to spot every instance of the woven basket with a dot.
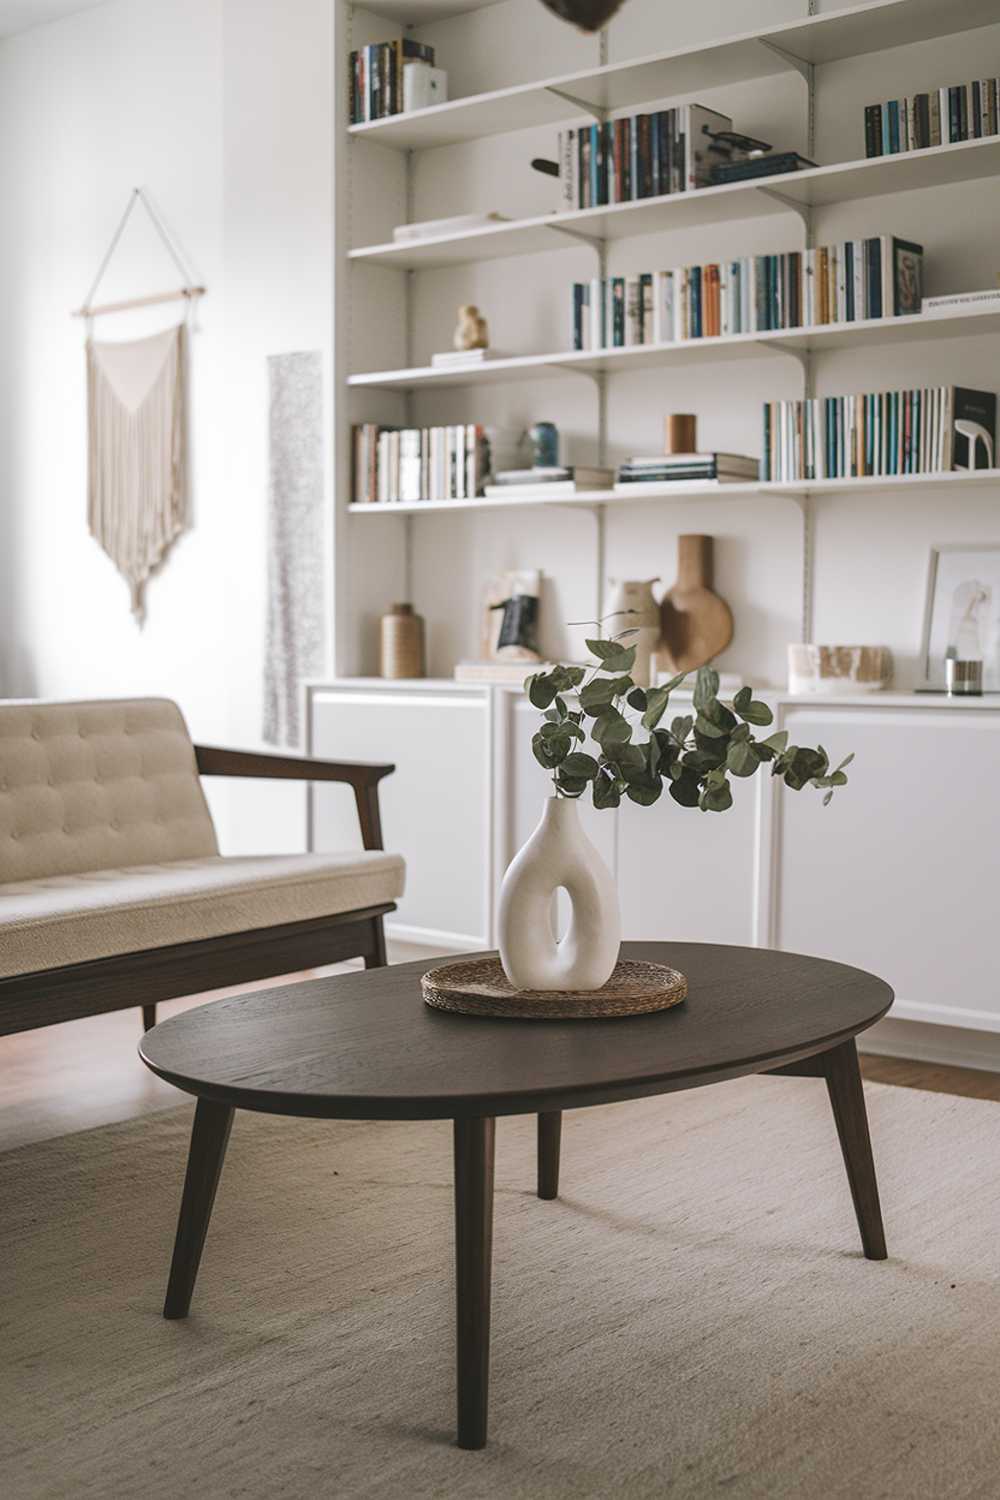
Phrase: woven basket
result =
(479, 987)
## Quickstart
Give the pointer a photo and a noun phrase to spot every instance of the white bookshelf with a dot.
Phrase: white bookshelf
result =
(798, 342)
(750, 57)
(875, 177)
(890, 484)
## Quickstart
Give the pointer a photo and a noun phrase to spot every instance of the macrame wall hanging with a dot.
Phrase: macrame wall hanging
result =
(136, 408)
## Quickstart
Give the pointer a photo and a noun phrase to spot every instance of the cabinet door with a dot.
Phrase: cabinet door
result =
(688, 875)
(435, 807)
(900, 874)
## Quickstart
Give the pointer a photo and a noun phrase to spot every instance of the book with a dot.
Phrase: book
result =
(880, 434)
(939, 116)
(461, 224)
(376, 77)
(962, 301)
(402, 465)
(848, 282)
(587, 478)
(759, 166)
(647, 155)
(460, 358)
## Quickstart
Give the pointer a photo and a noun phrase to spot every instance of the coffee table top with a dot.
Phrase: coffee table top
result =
(365, 1046)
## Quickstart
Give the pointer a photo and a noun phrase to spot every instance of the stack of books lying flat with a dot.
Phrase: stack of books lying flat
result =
(941, 117)
(549, 483)
(958, 302)
(641, 474)
(882, 433)
(461, 359)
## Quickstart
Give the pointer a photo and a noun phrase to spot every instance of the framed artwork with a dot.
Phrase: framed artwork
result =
(962, 615)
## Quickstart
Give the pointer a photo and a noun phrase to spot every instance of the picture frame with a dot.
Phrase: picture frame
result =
(962, 611)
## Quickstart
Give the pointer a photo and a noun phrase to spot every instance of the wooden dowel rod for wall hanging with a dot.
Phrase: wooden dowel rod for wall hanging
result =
(189, 292)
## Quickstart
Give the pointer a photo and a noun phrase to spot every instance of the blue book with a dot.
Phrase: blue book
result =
(886, 133)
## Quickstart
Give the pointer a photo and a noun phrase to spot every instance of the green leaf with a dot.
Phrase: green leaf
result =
(611, 728)
(742, 759)
(681, 728)
(550, 753)
(755, 713)
(717, 798)
(706, 686)
(654, 755)
(675, 682)
(645, 796)
(845, 763)
(718, 714)
(742, 699)
(597, 695)
(708, 729)
(686, 790)
(637, 699)
(606, 793)
(777, 742)
(570, 786)
(656, 706)
(630, 757)
(613, 656)
(579, 766)
(567, 678)
(541, 690)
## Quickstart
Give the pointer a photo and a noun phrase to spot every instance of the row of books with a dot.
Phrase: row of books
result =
(419, 463)
(927, 431)
(376, 77)
(843, 283)
(639, 156)
(639, 475)
(963, 112)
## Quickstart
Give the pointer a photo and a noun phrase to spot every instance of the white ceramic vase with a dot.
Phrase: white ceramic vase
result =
(559, 853)
(631, 605)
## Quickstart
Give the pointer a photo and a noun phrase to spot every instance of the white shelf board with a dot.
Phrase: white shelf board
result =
(870, 332)
(937, 166)
(749, 56)
(419, 12)
(982, 479)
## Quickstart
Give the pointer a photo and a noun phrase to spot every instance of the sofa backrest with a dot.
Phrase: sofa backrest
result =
(97, 786)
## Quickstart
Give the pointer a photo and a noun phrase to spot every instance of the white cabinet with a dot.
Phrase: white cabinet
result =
(436, 807)
(901, 873)
(687, 874)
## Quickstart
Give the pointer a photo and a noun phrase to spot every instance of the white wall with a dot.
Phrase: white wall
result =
(222, 110)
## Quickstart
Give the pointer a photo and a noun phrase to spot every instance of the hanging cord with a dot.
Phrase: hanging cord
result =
(188, 291)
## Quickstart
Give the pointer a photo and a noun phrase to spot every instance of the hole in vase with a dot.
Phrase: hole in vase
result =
(560, 912)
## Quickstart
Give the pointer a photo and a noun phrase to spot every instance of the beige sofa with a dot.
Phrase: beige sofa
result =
(112, 888)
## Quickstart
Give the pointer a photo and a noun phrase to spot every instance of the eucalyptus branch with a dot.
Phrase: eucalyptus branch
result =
(695, 758)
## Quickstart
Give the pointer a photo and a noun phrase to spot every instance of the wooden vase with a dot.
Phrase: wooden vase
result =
(402, 643)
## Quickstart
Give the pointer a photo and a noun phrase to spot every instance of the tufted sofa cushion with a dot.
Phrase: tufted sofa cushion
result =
(76, 918)
(97, 786)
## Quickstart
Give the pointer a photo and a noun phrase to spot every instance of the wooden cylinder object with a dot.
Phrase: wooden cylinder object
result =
(402, 643)
(681, 433)
(694, 562)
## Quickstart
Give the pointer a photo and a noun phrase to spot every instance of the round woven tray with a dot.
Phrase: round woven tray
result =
(479, 987)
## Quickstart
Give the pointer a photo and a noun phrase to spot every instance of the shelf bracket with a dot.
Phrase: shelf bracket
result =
(792, 204)
(797, 64)
(595, 111)
(792, 350)
(576, 234)
(597, 376)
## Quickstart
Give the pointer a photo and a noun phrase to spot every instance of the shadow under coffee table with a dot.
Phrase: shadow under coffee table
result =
(365, 1047)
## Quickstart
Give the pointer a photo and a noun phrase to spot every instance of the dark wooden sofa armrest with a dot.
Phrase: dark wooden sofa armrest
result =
(213, 760)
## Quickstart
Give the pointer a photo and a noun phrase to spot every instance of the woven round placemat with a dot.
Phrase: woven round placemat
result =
(479, 987)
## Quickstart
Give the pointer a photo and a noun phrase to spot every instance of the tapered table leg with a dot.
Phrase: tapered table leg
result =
(474, 1151)
(843, 1081)
(549, 1138)
(209, 1138)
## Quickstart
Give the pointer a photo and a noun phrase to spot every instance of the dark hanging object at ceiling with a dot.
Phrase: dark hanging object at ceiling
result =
(589, 15)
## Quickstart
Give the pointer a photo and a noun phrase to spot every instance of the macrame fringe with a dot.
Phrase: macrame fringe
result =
(136, 480)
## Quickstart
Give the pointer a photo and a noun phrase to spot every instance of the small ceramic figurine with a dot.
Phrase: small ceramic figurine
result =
(473, 331)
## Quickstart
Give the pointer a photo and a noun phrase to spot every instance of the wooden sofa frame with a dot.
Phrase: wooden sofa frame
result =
(48, 996)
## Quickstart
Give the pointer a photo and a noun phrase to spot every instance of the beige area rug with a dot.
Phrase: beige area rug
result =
(693, 1318)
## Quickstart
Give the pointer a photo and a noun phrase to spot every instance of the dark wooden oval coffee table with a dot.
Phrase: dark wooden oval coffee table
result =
(365, 1046)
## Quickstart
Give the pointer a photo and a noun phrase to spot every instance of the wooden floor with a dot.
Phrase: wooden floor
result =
(85, 1073)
